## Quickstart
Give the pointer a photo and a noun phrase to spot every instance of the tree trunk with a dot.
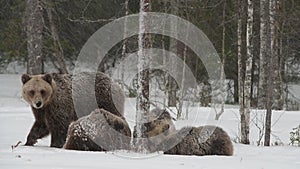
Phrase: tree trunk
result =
(248, 77)
(278, 99)
(172, 85)
(57, 46)
(124, 45)
(272, 73)
(143, 104)
(34, 33)
(264, 56)
(184, 58)
(165, 74)
(181, 100)
(222, 77)
(240, 62)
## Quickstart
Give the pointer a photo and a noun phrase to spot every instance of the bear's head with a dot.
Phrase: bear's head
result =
(37, 90)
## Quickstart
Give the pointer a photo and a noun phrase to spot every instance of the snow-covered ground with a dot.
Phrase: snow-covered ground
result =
(16, 120)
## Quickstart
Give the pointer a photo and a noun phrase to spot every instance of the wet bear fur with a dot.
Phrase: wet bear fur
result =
(160, 125)
(99, 131)
(204, 140)
(51, 99)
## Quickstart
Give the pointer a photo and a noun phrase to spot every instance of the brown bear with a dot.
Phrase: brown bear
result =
(99, 131)
(58, 99)
(204, 140)
(160, 125)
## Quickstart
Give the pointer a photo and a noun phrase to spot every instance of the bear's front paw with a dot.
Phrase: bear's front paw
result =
(56, 145)
(30, 142)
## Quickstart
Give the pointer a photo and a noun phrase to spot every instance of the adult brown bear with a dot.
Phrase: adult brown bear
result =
(58, 99)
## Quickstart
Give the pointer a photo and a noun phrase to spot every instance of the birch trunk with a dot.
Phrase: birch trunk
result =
(272, 73)
(143, 105)
(222, 77)
(245, 117)
(34, 33)
(240, 62)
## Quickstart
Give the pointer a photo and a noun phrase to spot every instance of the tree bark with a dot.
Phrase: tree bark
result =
(165, 74)
(264, 55)
(272, 74)
(124, 45)
(278, 99)
(34, 33)
(143, 104)
(172, 85)
(184, 58)
(248, 75)
(57, 46)
(222, 77)
(240, 62)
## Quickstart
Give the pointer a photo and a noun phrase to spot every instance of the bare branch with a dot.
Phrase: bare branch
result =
(15, 146)
(85, 20)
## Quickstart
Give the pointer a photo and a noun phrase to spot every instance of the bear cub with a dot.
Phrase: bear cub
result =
(159, 126)
(203, 140)
(99, 131)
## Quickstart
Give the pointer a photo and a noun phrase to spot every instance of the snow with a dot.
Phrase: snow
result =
(16, 120)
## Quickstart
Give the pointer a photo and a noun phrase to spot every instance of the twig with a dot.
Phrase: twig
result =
(15, 146)
(83, 20)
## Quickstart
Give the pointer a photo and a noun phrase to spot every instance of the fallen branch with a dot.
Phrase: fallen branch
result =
(15, 146)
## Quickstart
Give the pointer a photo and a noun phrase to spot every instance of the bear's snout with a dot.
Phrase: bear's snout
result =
(38, 104)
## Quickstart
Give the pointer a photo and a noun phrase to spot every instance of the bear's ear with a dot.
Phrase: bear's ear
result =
(47, 78)
(25, 78)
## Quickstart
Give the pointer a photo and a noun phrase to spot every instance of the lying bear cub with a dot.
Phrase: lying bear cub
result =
(99, 131)
(203, 140)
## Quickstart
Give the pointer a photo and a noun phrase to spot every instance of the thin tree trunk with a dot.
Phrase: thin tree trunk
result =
(143, 104)
(34, 33)
(222, 77)
(124, 45)
(240, 62)
(181, 100)
(248, 78)
(278, 103)
(57, 46)
(264, 53)
(165, 75)
(272, 71)
(172, 86)
(184, 55)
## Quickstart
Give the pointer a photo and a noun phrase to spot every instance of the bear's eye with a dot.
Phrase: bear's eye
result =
(43, 92)
(31, 93)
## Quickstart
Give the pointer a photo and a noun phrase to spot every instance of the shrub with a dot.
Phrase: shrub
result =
(295, 136)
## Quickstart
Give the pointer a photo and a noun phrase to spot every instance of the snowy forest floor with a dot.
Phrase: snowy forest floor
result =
(16, 120)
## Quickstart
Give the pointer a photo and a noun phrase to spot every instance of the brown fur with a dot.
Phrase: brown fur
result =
(51, 100)
(205, 140)
(160, 125)
(99, 131)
